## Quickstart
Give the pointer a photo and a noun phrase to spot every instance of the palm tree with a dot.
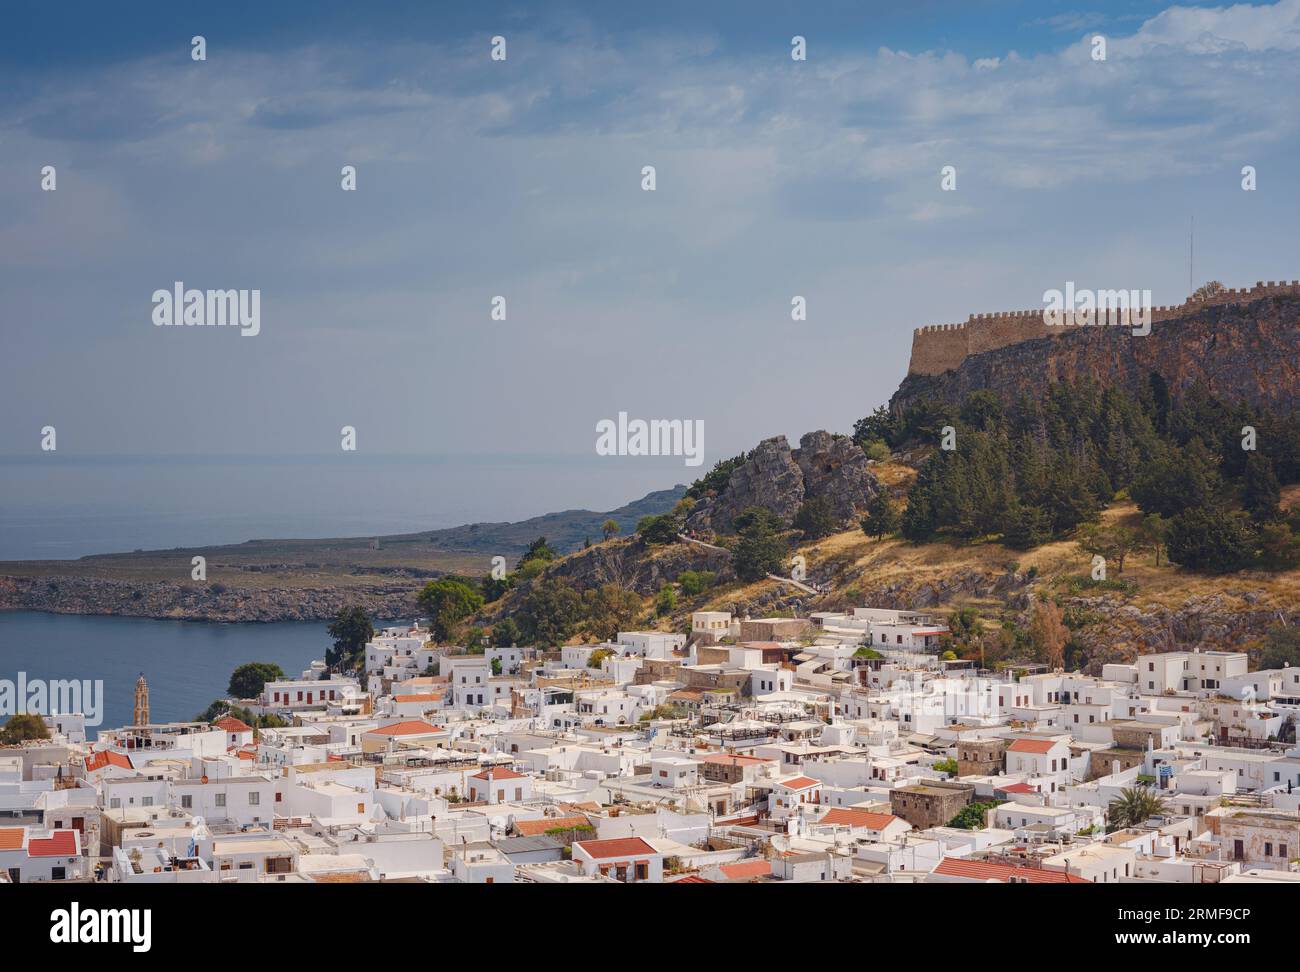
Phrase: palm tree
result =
(1133, 806)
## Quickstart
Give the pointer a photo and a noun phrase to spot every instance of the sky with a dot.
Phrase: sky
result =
(523, 178)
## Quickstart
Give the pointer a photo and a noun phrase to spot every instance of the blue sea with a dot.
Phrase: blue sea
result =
(186, 663)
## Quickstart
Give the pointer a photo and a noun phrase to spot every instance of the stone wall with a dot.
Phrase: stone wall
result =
(942, 347)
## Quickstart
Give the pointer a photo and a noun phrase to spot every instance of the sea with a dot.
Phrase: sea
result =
(187, 664)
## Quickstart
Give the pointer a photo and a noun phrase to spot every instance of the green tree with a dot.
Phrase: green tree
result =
(1211, 539)
(695, 582)
(551, 612)
(1261, 492)
(539, 549)
(666, 600)
(1114, 543)
(1133, 807)
(815, 518)
(879, 426)
(1153, 532)
(492, 588)
(1281, 647)
(446, 603)
(350, 629)
(598, 656)
(660, 529)
(715, 480)
(610, 528)
(505, 633)
(248, 680)
(22, 726)
(971, 816)
(609, 610)
(761, 550)
(882, 517)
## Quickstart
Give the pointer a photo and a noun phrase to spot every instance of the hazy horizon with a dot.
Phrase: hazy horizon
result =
(522, 178)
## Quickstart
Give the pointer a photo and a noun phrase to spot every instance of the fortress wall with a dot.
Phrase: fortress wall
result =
(937, 348)
(942, 347)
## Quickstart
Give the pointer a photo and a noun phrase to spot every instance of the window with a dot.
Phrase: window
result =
(254, 798)
(115, 803)
(221, 799)
(361, 808)
(146, 802)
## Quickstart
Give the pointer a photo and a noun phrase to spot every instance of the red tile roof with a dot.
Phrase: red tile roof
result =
(986, 871)
(231, 724)
(497, 773)
(61, 843)
(107, 757)
(798, 783)
(1017, 788)
(691, 879)
(11, 838)
(1038, 746)
(417, 698)
(850, 817)
(410, 727)
(536, 828)
(617, 847)
(746, 869)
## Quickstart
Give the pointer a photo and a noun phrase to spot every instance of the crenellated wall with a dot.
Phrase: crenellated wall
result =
(942, 347)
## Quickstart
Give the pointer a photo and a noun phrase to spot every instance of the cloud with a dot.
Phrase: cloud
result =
(522, 178)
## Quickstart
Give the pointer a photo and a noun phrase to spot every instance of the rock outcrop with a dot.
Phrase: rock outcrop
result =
(1241, 352)
(780, 478)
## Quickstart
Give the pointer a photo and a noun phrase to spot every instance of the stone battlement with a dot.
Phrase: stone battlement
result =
(937, 348)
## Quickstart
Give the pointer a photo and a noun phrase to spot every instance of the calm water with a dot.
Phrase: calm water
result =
(187, 663)
(61, 505)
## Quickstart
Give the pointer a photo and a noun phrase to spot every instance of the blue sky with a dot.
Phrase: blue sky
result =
(522, 178)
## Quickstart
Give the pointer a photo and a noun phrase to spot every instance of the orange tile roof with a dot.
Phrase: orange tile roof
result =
(410, 727)
(850, 817)
(1038, 746)
(497, 773)
(417, 698)
(691, 879)
(231, 724)
(61, 843)
(986, 871)
(746, 869)
(1017, 788)
(11, 838)
(536, 828)
(798, 783)
(617, 847)
(107, 757)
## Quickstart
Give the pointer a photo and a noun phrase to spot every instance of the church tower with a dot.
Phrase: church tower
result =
(141, 702)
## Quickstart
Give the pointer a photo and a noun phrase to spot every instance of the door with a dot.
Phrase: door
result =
(1238, 852)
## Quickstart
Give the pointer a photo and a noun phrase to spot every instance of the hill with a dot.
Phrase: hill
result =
(296, 579)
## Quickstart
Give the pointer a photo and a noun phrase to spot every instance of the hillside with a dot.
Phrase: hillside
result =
(1145, 608)
(296, 580)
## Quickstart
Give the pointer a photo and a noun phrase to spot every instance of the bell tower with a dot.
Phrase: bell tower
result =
(141, 717)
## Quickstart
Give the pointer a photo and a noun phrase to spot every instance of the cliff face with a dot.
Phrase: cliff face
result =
(781, 478)
(1242, 352)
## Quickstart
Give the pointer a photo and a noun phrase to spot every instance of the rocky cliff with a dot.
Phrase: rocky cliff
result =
(1246, 351)
(780, 478)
